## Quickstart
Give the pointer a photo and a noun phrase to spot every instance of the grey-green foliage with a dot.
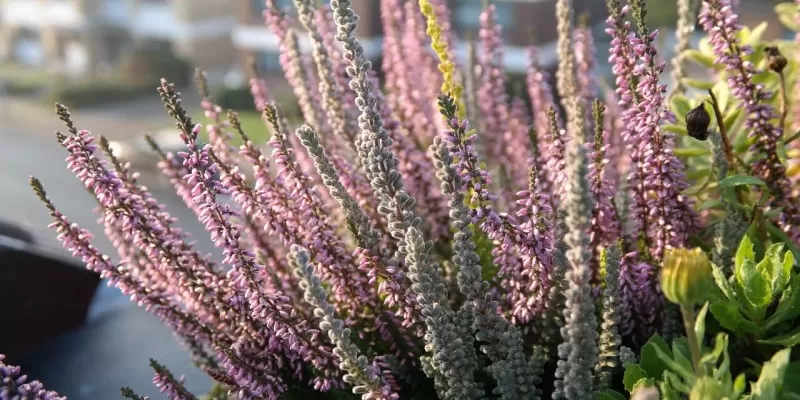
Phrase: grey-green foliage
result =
(610, 339)
(360, 374)
(578, 353)
(731, 229)
(367, 237)
(448, 364)
(328, 86)
(499, 340)
(626, 355)
(374, 144)
(550, 325)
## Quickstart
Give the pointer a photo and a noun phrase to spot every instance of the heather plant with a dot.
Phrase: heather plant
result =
(390, 247)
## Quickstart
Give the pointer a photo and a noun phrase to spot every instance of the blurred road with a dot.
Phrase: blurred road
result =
(113, 349)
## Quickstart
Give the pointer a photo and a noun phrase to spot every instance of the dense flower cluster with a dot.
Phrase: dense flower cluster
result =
(389, 247)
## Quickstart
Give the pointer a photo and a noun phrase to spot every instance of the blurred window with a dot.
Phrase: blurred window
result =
(269, 61)
(260, 5)
(468, 12)
(27, 48)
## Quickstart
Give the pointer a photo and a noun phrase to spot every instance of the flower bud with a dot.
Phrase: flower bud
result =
(697, 121)
(686, 276)
(776, 61)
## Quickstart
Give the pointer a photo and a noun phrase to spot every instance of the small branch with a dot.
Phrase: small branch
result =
(784, 101)
(793, 137)
(722, 130)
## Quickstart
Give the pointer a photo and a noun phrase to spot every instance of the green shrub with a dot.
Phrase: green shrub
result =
(147, 64)
(240, 99)
(235, 99)
(97, 92)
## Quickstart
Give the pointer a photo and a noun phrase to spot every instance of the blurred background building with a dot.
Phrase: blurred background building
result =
(89, 37)
(79, 37)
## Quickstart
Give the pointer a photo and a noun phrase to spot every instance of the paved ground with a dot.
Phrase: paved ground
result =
(113, 348)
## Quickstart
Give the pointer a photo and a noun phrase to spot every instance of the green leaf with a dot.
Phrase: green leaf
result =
(681, 354)
(741, 180)
(787, 339)
(722, 282)
(710, 204)
(771, 268)
(787, 265)
(730, 318)
(792, 386)
(780, 236)
(703, 59)
(698, 84)
(680, 105)
(700, 325)
(787, 14)
(781, 150)
(633, 373)
(788, 306)
(773, 212)
(720, 345)
(672, 361)
(676, 129)
(768, 386)
(651, 360)
(691, 152)
(608, 394)
(744, 252)
(739, 385)
(731, 118)
(756, 288)
(756, 34)
(668, 392)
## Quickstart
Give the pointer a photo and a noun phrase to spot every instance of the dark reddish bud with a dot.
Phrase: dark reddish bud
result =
(776, 61)
(697, 122)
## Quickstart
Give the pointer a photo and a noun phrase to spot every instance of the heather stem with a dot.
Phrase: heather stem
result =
(784, 101)
(723, 131)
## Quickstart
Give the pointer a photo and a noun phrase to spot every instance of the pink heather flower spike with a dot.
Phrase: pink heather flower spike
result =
(585, 68)
(623, 61)
(542, 98)
(670, 216)
(15, 386)
(518, 146)
(337, 267)
(556, 161)
(606, 228)
(269, 308)
(492, 97)
(218, 134)
(168, 385)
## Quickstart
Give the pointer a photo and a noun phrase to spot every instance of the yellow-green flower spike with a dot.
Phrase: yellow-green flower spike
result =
(447, 67)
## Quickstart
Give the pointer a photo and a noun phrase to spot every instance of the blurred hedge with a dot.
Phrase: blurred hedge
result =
(137, 75)
(145, 65)
(96, 92)
(240, 99)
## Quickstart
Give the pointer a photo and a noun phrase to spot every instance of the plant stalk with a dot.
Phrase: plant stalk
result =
(722, 130)
(694, 343)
